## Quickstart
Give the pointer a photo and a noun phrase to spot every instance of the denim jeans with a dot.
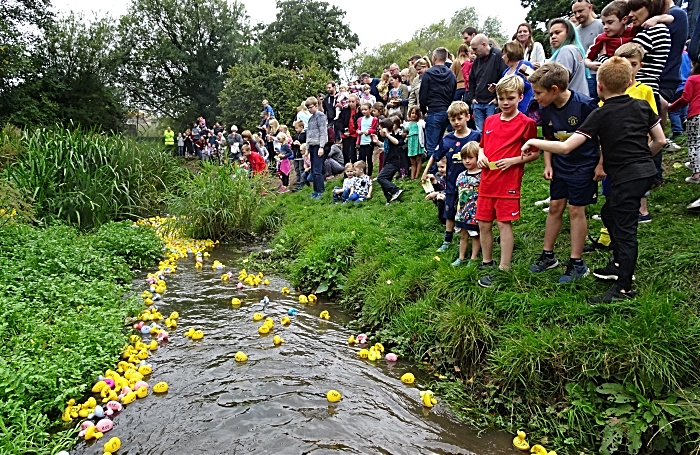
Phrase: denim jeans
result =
(342, 196)
(676, 118)
(481, 111)
(435, 124)
(317, 168)
(592, 86)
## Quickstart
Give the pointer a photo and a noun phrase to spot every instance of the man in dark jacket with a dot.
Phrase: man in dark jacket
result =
(328, 105)
(437, 89)
(487, 69)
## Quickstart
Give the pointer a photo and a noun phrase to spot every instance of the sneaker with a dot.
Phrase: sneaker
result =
(545, 210)
(314, 195)
(544, 263)
(543, 202)
(457, 262)
(283, 189)
(573, 272)
(688, 166)
(396, 195)
(614, 294)
(694, 205)
(489, 280)
(443, 247)
(671, 146)
(692, 179)
(609, 272)
(597, 218)
(644, 218)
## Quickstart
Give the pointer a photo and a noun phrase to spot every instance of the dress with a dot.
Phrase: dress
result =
(415, 147)
(468, 190)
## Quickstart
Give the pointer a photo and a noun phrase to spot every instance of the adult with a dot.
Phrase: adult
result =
(437, 89)
(394, 69)
(169, 138)
(468, 35)
(461, 63)
(235, 142)
(349, 124)
(365, 79)
(398, 97)
(513, 58)
(487, 68)
(588, 28)
(420, 65)
(303, 114)
(568, 52)
(412, 61)
(533, 51)
(334, 164)
(316, 139)
(328, 106)
(269, 112)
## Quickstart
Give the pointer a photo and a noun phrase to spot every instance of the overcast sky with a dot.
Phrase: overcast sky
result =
(362, 17)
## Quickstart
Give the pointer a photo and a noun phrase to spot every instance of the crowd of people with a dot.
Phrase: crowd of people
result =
(600, 103)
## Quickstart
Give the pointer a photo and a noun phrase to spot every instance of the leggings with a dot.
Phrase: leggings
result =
(692, 133)
(285, 179)
(366, 152)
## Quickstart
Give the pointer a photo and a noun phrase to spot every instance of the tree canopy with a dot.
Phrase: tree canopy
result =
(540, 12)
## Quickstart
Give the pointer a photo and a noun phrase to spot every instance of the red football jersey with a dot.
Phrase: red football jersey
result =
(257, 162)
(504, 139)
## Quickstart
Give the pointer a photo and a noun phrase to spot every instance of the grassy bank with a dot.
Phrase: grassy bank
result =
(528, 353)
(62, 306)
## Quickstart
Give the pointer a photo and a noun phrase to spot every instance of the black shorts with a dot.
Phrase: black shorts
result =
(451, 206)
(579, 191)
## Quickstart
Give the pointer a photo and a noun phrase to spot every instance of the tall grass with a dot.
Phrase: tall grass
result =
(87, 179)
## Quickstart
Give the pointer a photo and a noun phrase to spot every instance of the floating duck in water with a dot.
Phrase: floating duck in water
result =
(362, 338)
(170, 323)
(148, 302)
(240, 357)
(408, 378)
(145, 369)
(217, 266)
(197, 335)
(258, 317)
(538, 450)
(198, 265)
(303, 299)
(225, 277)
(160, 387)
(112, 445)
(379, 347)
(142, 392)
(312, 298)
(285, 291)
(266, 282)
(292, 312)
(92, 432)
(364, 353)
(264, 329)
(265, 302)
(285, 320)
(174, 315)
(277, 340)
(325, 315)
(374, 354)
(162, 336)
(520, 442)
(352, 340)
(235, 301)
(428, 398)
(189, 333)
(333, 396)
(391, 357)
(239, 286)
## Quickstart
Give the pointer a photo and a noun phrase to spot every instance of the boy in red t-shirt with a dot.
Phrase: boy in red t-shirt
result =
(503, 166)
(257, 162)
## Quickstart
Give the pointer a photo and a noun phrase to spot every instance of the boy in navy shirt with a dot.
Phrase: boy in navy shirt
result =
(450, 146)
(573, 177)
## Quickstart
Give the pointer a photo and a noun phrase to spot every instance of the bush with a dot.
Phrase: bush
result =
(138, 245)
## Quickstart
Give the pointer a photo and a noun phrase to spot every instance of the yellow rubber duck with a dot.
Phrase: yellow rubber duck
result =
(160, 387)
(270, 322)
(374, 354)
(145, 369)
(129, 398)
(277, 340)
(113, 445)
(264, 329)
(99, 385)
(235, 301)
(520, 442)
(325, 315)
(285, 290)
(408, 378)
(258, 317)
(146, 295)
(174, 315)
(240, 357)
(312, 298)
(91, 432)
(148, 302)
(285, 320)
(134, 339)
(303, 299)
(171, 323)
(333, 396)
(266, 282)
(153, 345)
(189, 333)
(197, 335)
(198, 265)
(428, 398)
(364, 353)
(224, 277)
(538, 450)
(352, 339)
(142, 355)
(142, 392)
(379, 347)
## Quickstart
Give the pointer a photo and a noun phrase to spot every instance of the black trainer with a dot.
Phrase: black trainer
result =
(609, 272)
(614, 294)
(544, 263)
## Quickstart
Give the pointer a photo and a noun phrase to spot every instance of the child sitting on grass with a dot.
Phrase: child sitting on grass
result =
(467, 194)
(343, 193)
(362, 184)
(438, 193)
(622, 126)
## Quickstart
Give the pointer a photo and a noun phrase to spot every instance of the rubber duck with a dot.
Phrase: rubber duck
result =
(391, 357)
(129, 398)
(197, 335)
(325, 315)
(352, 340)
(285, 320)
(235, 301)
(198, 265)
(112, 407)
(364, 353)
(171, 323)
(265, 301)
(147, 294)
(362, 338)
(264, 329)
(113, 445)
(112, 395)
(134, 339)
(303, 299)
(266, 282)
(157, 297)
(379, 347)
(333, 396)
(99, 385)
(162, 336)
(225, 277)
(146, 329)
(139, 385)
(285, 291)
(92, 432)
(312, 298)
(520, 442)
(240, 286)
(240, 357)
(145, 369)
(142, 392)
(258, 317)
(160, 387)
(148, 302)
(174, 315)
(153, 345)
(142, 355)
(428, 398)
(408, 378)
(104, 425)
(189, 333)
(99, 412)
(538, 450)
(374, 354)
(277, 340)
(292, 312)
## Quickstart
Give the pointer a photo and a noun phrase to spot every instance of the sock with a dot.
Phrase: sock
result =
(548, 254)
(448, 236)
(578, 261)
(486, 264)
(604, 238)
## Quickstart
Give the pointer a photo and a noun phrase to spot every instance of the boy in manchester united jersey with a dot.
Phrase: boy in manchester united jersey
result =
(503, 165)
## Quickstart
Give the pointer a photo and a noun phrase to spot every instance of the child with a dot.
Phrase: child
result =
(307, 177)
(362, 184)
(342, 194)
(468, 192)
(502, 175)
(366, 128)
(416, 140)
(256, 162)
(622, 126)
(450, 146)
(378, 111)
(367, 96)
(615, 33)
(383, 87)
(262, 149)
(299, 140)
(285, 155)
(394, 142)
(573, 178)
(691, 96)
(180, 145)
(341, 100)
(438, 193)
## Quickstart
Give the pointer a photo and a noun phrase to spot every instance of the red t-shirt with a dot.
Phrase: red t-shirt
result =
(503, 139)
(352, 125)
(257, 162)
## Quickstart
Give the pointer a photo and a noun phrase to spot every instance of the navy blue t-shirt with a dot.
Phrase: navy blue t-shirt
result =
(678, 29)
(450, 146)
(560, 123)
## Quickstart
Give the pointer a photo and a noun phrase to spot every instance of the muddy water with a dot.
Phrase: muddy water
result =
(275, 403)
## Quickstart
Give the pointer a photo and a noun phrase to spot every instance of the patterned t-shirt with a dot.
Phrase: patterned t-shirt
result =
(362, 185)
(468, 190)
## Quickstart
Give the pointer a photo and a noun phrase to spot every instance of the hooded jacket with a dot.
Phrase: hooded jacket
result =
(437, 89)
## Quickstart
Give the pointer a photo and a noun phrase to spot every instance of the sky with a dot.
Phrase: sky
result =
(406, 17)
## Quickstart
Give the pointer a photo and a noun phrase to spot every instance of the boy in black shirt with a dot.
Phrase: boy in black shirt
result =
(622, 125)
(390, 129)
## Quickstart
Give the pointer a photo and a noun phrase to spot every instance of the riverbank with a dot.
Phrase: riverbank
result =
(529, 353)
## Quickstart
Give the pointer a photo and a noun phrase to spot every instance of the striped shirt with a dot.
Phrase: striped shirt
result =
(656, 42)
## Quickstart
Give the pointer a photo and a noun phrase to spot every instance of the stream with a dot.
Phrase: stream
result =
(275, 403)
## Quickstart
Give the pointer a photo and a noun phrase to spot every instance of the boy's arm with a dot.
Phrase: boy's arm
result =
(561, 148)
(424, 177)
(661, 19)
(658, 139)
(548, 173)
(482, 162)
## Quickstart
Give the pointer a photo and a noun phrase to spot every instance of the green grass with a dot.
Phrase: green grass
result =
(528, 353)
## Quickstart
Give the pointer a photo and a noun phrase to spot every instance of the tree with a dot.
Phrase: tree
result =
(247, 85)
(173, 54)
(307, 32)
(541, 12)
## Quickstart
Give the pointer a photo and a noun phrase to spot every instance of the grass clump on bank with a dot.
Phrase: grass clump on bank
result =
(62, 305)
(529, 353)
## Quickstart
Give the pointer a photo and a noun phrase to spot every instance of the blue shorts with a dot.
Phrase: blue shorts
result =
(451, 206)
(579, 191)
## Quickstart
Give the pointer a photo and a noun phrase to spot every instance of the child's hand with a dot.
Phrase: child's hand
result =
(599, 173)
(431, 196)
(440, 197)
(483, 162)
(652, 21)
(527, 149)
(505, 163)
(548, 173)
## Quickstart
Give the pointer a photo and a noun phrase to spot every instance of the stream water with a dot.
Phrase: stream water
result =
(275, 403)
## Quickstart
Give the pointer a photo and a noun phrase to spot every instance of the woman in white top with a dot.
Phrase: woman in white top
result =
(303, 114)
(534, 52)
